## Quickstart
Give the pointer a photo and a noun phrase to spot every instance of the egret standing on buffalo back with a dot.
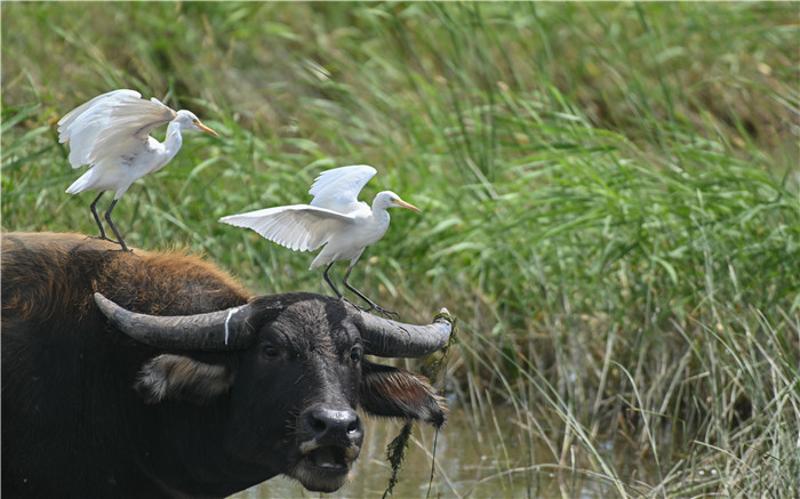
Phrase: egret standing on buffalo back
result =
(335, 219)
(110, 133)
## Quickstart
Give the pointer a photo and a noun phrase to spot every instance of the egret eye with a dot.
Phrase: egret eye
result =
(195, 121)
(356, 353)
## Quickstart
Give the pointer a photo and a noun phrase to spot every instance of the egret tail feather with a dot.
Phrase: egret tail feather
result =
(79, 185)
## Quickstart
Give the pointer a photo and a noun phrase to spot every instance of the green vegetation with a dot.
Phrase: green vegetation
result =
(610, 198)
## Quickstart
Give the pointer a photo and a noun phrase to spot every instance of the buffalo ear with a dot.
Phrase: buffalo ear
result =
(397, 393)
(175, 377)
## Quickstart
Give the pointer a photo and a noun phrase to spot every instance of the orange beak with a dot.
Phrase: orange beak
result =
(204, 128)
(402, 204)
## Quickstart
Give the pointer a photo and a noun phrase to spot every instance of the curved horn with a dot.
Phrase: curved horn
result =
(388, 338)
(221, 330)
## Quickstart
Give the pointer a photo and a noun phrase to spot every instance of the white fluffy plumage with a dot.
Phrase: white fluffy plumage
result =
(334, 219)
(110, 126)
(111, 134)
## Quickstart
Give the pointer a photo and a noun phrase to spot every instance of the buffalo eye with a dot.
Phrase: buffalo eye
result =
(270, 352)
(355, 353)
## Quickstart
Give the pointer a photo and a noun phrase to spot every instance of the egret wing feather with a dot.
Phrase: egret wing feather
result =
(299, 227)
(111, 126)
(338, 189)
(69, 118)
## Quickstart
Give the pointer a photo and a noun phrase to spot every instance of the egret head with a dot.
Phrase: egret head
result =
(188, 121)
(388, 199)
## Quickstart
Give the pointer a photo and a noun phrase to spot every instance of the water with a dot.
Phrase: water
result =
(492, 460)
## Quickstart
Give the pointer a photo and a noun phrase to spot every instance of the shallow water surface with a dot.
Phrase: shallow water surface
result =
(469, 463)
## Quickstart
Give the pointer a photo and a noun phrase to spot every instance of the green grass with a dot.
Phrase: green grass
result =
(610, 196)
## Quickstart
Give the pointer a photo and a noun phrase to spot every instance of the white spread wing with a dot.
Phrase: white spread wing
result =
(299, 227)
(110, 126)
(338, 189)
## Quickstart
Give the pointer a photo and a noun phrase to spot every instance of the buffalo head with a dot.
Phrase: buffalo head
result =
(290, 371)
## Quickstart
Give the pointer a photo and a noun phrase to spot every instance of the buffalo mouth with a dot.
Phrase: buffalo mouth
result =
(324, 468)
(329, 458)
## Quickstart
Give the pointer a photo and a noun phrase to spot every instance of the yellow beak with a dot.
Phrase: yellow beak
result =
(204, 128)
(408, 206)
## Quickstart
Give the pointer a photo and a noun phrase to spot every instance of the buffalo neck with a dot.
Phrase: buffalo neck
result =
(191, 455)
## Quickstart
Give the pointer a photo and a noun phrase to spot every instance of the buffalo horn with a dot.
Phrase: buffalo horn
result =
(388, 338)
(215, 331)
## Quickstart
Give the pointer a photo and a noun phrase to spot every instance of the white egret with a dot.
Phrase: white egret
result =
(335, 219)
(110, 133)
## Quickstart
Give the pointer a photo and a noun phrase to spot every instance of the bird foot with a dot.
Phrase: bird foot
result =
(122, 245)
(350, 303)
(104, 238)
(384, 312)
(371, 307)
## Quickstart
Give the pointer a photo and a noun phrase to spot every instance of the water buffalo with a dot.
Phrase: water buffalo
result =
(157, 375)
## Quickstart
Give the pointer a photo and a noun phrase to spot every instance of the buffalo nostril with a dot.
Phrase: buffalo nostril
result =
(325, 424)
(318, 425)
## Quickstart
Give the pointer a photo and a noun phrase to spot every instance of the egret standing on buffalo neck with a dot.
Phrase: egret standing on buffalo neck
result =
(110, 133)
(335, 219)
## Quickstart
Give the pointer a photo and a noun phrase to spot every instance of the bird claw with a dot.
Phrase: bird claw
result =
(371, 307)
(349, 302)
(104, 238)
(387, 313)
(122, 246)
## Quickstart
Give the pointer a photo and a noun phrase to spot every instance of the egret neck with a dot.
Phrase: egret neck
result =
(380, 213)
(174, 140)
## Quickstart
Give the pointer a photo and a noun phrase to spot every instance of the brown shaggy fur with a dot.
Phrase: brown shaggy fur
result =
(392, 391)
(158, 281)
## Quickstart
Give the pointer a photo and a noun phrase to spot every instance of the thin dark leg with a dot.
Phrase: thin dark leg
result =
(93, 207)
(103, 234)
(361, 295)
(113, 227)
(328, 280)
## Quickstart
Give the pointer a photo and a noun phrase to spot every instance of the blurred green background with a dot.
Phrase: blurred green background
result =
(610, 197)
